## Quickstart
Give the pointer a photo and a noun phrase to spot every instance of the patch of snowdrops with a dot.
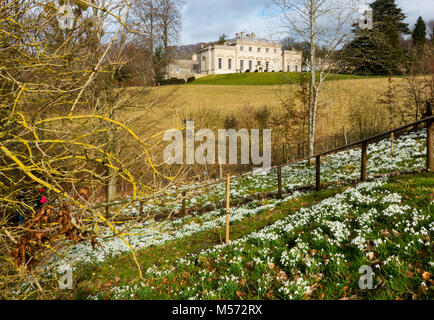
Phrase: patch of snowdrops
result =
(288, 259)
(338, 168)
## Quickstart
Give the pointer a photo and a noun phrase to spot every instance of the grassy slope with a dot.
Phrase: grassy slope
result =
(208, 105)
(262, 78)
(417, 192)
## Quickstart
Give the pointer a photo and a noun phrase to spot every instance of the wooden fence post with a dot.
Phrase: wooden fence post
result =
(141, 208)
(392, 140)
(318, 173)
(279, 182)
(106, 191)
(430, 145)
(107, 213)
(364, 160)
(228, 192)
(184, 194)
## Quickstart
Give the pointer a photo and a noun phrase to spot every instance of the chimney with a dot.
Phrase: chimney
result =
(242, 34)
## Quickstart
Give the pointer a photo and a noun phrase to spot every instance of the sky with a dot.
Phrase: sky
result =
(206, 20)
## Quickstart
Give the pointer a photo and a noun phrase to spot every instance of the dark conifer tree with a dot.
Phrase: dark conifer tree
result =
(419, 33)
(378, 51)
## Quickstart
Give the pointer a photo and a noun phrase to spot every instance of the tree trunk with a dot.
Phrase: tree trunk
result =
(112, 174)
(111, 192)
(312, 89)
(112, 148)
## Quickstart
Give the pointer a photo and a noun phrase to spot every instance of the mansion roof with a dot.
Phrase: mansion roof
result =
(243, 39)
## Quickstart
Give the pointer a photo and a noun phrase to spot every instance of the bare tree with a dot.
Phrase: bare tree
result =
(61, 126)
(322, 24)
(145, 19)
(431, 30)
(113, 100)
(159, 24)
(418, 74)
(170, 23)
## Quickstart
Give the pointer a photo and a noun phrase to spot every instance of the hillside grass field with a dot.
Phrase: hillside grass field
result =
(209, 104)
(263, 78)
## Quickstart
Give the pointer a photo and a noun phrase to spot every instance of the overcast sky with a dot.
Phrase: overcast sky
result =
(206, 20)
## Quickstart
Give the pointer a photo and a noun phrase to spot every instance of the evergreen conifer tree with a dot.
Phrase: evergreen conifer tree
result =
(378, 51)
(419, 33)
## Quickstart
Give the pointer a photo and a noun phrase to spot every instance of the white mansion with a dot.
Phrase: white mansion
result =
(245, 53)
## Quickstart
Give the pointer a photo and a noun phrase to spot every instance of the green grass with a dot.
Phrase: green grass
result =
(262, 78)
(395, 281)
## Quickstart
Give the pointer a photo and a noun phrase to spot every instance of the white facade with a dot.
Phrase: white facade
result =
(247, 53)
